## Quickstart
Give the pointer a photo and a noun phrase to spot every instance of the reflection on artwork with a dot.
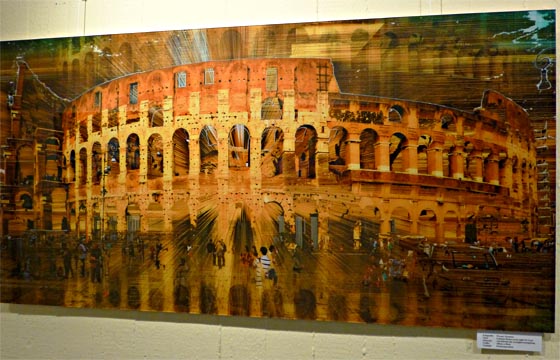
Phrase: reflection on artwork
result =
(397, 171)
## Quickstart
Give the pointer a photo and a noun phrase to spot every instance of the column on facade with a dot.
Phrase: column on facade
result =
(440, 228)
(516, 178)
(194, 174)
(89, 124)
(506, 173)
(289, 156)
(381, 149)
(435, 159)
(122, 161)
(143, 172)
(353, 151)
(289, 108)
(475, 158)
(143, 113)
(410, 156)
(492, 169)
(457, 162)
(255, 159)
(385, 225)
(167, 197)
(122, 116)
(121, 214)
(414, 223)
(524, 179)
(223, 152)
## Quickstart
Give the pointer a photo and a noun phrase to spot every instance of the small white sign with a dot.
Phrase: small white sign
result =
(501, 340)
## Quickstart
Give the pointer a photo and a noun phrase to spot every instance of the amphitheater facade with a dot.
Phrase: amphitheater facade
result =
(275, 143)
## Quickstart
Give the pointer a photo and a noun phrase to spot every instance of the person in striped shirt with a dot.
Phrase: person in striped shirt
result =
(268, 271)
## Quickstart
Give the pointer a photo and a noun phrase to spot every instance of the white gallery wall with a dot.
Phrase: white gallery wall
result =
(58, 333)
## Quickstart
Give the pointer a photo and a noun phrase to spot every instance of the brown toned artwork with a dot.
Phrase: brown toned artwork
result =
(390, 171)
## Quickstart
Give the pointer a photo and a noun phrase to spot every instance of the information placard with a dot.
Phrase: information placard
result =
(500, 340)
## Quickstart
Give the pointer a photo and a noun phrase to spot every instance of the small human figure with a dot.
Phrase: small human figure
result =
(159, 249)
(96, 258)
(268, 271)
(82, 254)
(211, 248)
(515, 244)
(67, 261)
(220, 254)
(357, 235)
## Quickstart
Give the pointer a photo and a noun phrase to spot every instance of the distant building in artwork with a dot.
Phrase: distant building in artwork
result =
(273, 141)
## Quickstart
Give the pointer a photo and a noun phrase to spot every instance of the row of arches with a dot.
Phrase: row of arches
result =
(368, 150)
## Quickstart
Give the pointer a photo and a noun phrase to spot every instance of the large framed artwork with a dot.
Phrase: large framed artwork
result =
(390, 171)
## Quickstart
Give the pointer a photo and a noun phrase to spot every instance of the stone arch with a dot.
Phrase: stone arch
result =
(427, 223)
(155, 156)
(24, 165)
(401, 218)
(82, 166)
(26, 201)
(448, 123)
(338, 145)
(396, 114)
(133, 152)
(424, 142)
(155, 114)
(272, 150)
(208, 143)
(113, 155)
(181, 152)
(397, 143)
(368, 141)
(239, 154)
(305, 151)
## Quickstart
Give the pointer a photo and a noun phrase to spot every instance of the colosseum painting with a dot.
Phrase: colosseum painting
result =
(391, 171)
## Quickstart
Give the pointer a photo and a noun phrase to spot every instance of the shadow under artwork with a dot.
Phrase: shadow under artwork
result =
(390, 171)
